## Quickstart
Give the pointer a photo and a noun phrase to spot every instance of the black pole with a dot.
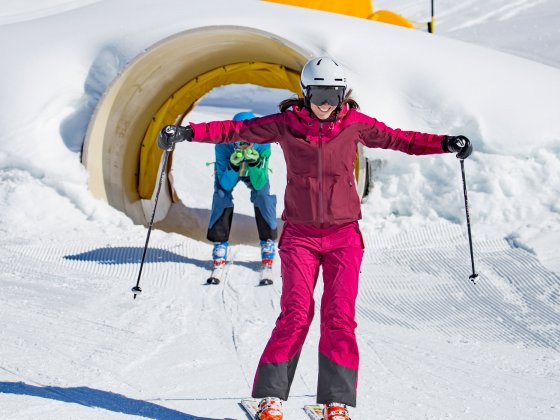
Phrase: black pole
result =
(473, 276)
(136, 289)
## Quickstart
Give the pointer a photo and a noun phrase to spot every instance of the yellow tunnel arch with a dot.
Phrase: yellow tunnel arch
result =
(159, 87)
(180, 103)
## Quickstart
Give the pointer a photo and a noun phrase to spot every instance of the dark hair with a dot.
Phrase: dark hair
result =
(301, 103)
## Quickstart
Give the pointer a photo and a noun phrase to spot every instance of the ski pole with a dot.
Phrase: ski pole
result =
(431, 22)
(136, 289)
(473, 277)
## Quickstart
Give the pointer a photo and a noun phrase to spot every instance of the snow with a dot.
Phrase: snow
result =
(73, 342)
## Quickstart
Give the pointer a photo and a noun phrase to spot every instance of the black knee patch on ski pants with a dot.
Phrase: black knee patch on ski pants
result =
(219, 232)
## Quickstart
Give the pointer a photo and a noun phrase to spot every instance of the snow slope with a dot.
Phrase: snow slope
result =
(528, 28)
(73, 342)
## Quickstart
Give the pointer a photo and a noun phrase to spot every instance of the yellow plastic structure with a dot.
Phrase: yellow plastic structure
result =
(356, 8)
(160, 86)
(393, 18)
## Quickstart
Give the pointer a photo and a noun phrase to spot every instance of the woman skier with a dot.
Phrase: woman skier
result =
(246, 162)
(318, 134)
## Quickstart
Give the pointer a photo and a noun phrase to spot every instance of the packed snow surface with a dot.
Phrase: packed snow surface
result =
(73, 342)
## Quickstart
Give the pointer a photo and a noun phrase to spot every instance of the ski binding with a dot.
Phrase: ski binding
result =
(314, 411)
(266, 274)
(218, 273)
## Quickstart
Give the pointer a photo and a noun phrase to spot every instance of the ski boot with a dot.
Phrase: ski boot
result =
(335, 411)
(270, 408)
(219, 253)
(267, 258)
(267, 251)
(219, 256)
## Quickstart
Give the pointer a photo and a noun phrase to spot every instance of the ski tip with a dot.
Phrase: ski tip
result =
(265, 282)
(251, 407)
(212, 280)
(314, 411)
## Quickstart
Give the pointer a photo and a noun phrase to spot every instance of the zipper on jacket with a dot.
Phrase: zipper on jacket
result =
(320, 175)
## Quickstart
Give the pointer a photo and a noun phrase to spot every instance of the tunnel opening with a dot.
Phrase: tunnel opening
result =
(196, 161)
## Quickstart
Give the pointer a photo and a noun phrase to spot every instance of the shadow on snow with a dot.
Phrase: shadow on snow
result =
(133, 255)
(89, 397)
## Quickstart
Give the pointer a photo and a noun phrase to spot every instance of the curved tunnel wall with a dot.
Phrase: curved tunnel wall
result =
(123, 128)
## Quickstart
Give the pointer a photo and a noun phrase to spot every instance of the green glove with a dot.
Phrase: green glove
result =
(251, 156)
(236, 157)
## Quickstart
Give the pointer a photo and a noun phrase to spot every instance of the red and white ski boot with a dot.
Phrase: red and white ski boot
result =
(219, 255)
(335, 411)
(270, 408)
(267, 258)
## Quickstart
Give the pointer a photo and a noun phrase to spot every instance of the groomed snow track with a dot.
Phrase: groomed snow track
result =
(417, 280)
(431, 340)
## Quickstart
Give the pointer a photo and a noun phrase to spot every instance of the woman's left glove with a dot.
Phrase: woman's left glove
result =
(251, 156)
(457, 144)
(171, 134)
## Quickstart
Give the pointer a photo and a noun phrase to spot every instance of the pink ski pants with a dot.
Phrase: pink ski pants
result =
(303, 250)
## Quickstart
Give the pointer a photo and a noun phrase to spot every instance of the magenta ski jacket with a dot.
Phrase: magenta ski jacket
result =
(320, 155)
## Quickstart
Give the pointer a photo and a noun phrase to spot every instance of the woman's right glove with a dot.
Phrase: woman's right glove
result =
(457, 144)
(171, 134)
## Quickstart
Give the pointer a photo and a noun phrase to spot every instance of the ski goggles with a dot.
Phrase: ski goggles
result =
(242, 143)
(318, 95)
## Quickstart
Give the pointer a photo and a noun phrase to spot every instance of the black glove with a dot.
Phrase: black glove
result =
(457, 144)
(171, 134)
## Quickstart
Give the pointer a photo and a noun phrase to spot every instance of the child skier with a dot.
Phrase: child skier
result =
(318, 134)
(246, 162)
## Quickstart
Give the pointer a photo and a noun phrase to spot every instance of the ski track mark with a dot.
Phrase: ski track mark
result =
(423, 276)
(501, 12)
(230, 304)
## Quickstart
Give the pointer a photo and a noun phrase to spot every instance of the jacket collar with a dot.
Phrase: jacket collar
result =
(307, 115)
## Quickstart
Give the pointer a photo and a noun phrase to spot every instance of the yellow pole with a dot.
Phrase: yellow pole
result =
(431, 26)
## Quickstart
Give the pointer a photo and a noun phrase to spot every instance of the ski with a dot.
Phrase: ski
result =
(217, 275)
(266, 274)
(314, 411)
(250, 406)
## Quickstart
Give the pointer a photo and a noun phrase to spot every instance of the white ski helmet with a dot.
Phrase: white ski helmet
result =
(322, 71)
